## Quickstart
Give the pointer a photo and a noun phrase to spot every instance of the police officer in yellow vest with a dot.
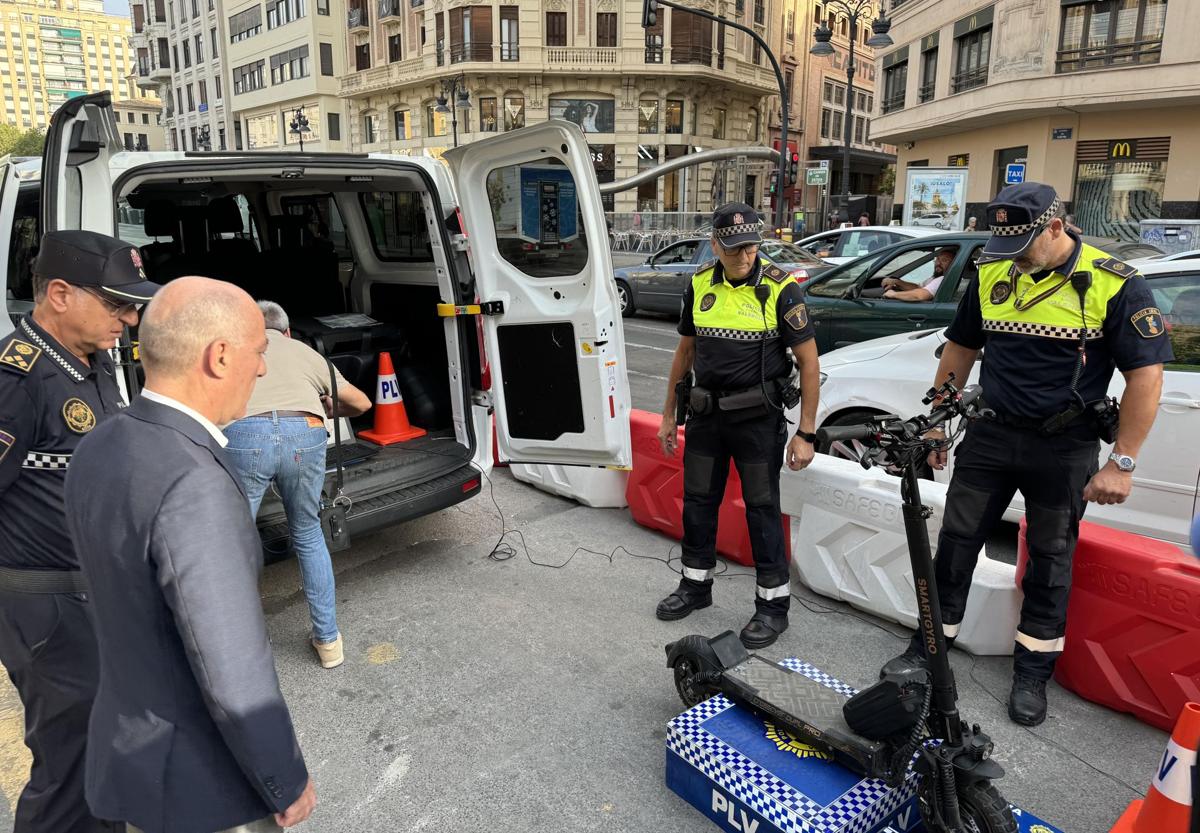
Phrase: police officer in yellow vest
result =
(1057, 317)
(743, 319)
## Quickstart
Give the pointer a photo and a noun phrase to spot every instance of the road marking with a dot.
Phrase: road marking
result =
(666, 328)
(647, 375)
(382, 654)
(650, 347)
(15, 759)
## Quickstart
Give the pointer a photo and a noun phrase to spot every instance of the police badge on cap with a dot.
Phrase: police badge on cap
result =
(735, 225)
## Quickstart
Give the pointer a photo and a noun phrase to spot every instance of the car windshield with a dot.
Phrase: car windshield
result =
(778, 251)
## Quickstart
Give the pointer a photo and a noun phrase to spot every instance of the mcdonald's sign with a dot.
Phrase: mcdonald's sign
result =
(1122, 149)
(974, 21)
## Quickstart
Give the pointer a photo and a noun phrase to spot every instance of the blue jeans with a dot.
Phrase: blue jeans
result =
(292, 454)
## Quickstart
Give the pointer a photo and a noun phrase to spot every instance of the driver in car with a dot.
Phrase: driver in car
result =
(896, 289)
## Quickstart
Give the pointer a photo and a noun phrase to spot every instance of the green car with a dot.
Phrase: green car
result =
(843, 306)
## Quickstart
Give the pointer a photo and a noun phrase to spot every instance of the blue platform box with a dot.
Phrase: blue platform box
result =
(749, 776)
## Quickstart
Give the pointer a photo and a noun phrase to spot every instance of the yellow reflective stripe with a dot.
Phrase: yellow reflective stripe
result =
(451, 310)
(1041, 646)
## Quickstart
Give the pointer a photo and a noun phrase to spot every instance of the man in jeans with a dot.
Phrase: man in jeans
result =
(283, 439)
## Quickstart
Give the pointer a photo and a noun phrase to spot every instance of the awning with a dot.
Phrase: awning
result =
(857, 155)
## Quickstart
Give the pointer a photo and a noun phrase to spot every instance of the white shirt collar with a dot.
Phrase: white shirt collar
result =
(221, 439)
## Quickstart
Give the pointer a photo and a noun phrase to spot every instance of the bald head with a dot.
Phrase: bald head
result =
(202, 342)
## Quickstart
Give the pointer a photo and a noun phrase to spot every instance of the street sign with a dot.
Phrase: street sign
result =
(816, 176)
(1014, 174)
(824, 163)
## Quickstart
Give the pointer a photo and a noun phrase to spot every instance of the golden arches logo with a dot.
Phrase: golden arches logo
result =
(1121, 149)
(785, 741)
(972, 24)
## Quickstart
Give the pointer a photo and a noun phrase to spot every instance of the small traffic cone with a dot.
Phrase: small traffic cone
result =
(391, 419)
(1167, 807)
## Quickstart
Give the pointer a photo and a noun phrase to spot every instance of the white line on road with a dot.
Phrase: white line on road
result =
(667, 327)
(647, 375)
(650, 347)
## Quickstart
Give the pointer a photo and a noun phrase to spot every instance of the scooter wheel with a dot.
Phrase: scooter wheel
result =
(694, 661)
(982, 808)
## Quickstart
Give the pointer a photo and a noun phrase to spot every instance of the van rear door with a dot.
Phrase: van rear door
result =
(76, 184)
(552, 323)
(9, 184)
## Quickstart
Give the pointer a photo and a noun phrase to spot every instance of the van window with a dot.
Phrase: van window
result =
(398, 225)
(131, 224)
(535, 211)
(22, 243)
(324, 221)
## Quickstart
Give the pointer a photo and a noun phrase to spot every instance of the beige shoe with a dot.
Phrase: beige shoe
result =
(329, 653)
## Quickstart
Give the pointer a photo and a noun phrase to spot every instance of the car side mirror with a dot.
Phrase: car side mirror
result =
(852, 292)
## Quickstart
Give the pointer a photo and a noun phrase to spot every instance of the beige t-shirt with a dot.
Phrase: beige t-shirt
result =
(297, 376)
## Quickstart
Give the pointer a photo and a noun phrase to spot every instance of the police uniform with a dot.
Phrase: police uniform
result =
(49, 400)
(1043, 440)
(743, 332)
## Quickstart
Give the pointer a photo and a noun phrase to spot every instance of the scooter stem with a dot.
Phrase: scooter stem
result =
(944, 719)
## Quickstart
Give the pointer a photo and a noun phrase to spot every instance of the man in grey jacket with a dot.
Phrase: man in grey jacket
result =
(189, 732)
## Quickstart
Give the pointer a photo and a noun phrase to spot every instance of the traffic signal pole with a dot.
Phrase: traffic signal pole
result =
(650, 16)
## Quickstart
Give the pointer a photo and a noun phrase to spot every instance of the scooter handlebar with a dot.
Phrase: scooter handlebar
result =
(841, 433)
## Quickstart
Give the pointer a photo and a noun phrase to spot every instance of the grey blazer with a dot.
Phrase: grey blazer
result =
(189, 732)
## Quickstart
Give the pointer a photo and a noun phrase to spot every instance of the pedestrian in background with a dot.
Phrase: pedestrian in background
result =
(284, 440)
(864, 219)
(189, 732)
(57, 383)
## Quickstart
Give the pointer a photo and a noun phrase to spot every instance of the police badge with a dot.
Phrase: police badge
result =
(78, 416)
(1000, 292)
(706, 303)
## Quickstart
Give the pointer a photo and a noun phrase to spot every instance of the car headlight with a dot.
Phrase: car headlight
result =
(824, 376)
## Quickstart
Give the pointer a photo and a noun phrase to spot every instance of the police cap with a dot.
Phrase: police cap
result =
(104, 263)
(736, 224)
(1016, 216)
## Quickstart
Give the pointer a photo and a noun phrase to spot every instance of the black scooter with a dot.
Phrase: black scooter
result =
(878, 731)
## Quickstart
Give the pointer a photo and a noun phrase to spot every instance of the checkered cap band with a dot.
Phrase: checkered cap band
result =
(737, 335)
(1029, 328)
(1025, 228)
(42, 460)
(741, 228)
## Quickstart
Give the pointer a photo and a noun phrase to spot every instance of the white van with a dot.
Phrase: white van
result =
(375, 252)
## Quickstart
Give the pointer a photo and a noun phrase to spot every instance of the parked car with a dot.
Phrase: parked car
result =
(933, 218)
(1191, 254)
(890, 375)
(658, 284)
(843, 245)
(841, 314)
(370, 253)
(1126, 250)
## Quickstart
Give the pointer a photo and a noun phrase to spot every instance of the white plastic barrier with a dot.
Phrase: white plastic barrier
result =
(848, 543)
(589, 486)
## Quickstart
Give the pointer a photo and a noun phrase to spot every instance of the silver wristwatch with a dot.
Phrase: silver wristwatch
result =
(1124, 461)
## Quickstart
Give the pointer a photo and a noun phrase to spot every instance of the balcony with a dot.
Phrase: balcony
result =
(389, 9)
(925, 93)
(1101, 57)
(464, 52)
(357, 19)
(585, 57)
(968, 80)
(893, 103)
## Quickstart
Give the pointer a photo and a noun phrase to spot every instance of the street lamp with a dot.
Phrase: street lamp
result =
(204, 138)
(854, 10)
(453, 88)
(299, 125)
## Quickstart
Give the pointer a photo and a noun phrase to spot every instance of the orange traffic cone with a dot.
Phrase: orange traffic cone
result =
(391, 419)
(1168, 804)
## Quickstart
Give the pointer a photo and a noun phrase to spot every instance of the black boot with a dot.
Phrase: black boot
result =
(1027, 701)
(763, 629)
(684, 600)
(910, 661)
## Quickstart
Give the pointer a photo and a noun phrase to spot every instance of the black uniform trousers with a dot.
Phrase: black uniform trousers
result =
(48, 647)
(755, 439)
(993, 462)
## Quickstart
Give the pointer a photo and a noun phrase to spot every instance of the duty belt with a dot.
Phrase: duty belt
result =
(42, 581)
(1036, 424)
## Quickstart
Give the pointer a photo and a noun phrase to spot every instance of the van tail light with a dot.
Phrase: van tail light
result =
(527, 247)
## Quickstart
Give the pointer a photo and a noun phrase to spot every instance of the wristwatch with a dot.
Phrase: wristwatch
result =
(1124, 462)
(807, 437)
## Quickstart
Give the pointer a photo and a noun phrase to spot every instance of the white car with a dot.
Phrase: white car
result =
(1192, 254)
(890, 375)
(934, 219)
(845, 244)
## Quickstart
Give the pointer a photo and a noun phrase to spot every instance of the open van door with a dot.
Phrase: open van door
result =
(552, 321)
(9, 184)
(76, 185)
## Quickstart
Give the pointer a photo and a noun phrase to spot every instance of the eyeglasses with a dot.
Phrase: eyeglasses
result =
(114, 309)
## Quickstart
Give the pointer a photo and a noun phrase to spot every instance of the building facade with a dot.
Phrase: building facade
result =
(139, 118)
(818, 88)
(282, 68)
(1098, 99)
(179, 48)
(641, 96)
(55, 50)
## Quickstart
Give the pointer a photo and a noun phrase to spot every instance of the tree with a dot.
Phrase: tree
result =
(887, 180)
(19, 142)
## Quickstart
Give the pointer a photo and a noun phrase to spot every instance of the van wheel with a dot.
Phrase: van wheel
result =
(853, 449)
(626, 299)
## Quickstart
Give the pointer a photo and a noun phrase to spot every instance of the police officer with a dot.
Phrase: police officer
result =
(1057, 317)
(741, 316)
(56, 382)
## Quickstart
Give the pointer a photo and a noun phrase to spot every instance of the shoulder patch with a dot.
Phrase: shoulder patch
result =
(1148, 322)
(1117, 267)
(797, 317)
(19, 355)
(773, 272)
(6, 443)
(706, 265)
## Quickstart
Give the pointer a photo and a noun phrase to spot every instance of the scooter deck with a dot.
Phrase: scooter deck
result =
(808, 709)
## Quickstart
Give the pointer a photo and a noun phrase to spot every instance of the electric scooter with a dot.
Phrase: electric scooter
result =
(904, 720)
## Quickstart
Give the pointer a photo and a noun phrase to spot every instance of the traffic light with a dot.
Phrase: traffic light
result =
(649, 13)
(774, 189)
(794, 167)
